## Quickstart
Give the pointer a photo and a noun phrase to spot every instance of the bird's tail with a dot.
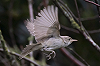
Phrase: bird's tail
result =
(30, 48)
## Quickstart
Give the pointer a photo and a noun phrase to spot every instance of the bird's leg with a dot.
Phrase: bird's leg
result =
(53, 52)
(49, 55)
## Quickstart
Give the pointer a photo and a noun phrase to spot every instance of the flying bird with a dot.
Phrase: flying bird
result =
(46, 29)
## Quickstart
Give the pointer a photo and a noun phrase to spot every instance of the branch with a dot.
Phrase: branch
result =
(94, 31)
(70, 29)
(96, 5)
(64, 8)
(76, 31)
(89, 18)
(92, 3)
(3, 43)
(8, 52)
(78, 14)
(98, 9)
(76, 61)
(18, 55)
(30, 4)
(10, 23)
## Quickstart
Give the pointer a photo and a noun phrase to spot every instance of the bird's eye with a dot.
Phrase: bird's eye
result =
(69, 38)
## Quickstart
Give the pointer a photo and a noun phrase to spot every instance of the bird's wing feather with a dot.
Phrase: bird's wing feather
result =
(45, 25)
(30, 26)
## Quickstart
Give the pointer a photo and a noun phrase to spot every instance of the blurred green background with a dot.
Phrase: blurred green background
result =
(13, 13)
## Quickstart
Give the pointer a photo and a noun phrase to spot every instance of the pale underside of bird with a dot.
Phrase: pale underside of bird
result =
(46, 28)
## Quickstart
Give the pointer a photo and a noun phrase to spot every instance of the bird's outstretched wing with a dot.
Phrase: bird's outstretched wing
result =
(45, 25)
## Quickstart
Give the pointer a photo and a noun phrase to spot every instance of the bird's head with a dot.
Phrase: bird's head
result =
(68, 40)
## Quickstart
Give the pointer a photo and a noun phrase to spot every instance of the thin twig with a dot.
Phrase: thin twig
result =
(3, 43)
(30, 3)
(68, 14)
(78, 56)
(10, 23)
(70, 29)
(98, 9)
(76, 31)
(85, 33)
(76, 61)
(18, 55)
(67, 8)
(94, 31)
(6, 50)
(92, 3)
(89, 18)
(78, 14)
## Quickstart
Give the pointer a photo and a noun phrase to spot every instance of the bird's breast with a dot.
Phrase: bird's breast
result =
(53, 43)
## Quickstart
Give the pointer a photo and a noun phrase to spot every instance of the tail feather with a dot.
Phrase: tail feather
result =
(30, 48)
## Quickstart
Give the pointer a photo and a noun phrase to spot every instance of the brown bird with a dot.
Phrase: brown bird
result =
(46, 28)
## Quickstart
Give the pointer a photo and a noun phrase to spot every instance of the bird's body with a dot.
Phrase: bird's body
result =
(53, 42)
(46, 28)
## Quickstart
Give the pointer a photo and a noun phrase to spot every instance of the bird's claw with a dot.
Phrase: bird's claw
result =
(49, 55)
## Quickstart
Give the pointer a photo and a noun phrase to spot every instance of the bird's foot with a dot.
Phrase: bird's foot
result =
(49, 55)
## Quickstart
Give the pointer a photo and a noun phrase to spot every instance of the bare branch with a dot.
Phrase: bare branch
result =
(98, 9)
(76, 31)
(94, 31)
(64, 8)
(10, 23)
(30, 3)
(70, 29)
(8, 52)
(92, 3)
(89, 18)
(18, 55)
(78, 14)
(76, 61)
(3, 43)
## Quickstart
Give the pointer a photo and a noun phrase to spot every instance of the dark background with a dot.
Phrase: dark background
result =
(13, 13)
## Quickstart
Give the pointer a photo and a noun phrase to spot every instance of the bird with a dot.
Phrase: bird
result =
(46, 29)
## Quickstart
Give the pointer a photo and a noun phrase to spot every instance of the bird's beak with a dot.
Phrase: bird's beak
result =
(74, 40)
